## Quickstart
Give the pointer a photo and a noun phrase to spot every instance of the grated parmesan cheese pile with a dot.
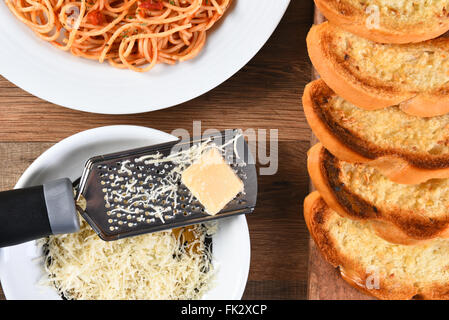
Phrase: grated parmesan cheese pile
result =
(149, 267)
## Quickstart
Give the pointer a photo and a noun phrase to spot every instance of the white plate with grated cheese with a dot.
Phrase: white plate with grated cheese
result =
(21, 268)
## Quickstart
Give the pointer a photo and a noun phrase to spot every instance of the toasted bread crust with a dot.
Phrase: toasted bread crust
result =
(330, 134)
(398, 165)
(353, 20)
(344, 83)
(317, 215)
(395, 225)
(425, 105)
(367, 93)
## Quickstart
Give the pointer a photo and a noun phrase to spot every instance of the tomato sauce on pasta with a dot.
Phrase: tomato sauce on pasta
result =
(129, 34)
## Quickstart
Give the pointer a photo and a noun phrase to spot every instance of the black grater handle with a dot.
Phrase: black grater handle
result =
(36, 212)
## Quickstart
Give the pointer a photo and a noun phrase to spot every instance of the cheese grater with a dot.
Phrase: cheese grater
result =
(127, 193)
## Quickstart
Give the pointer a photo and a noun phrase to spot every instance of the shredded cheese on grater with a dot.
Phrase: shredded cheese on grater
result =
(149, 267)
(135, 202)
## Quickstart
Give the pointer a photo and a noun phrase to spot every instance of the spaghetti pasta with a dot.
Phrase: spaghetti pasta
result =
(132, 34)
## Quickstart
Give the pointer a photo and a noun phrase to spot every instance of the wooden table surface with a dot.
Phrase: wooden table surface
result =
(263, 95)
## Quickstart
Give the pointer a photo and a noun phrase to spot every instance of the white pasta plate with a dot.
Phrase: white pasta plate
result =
(63, 79)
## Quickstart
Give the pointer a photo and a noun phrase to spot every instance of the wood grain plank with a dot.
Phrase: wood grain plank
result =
(278, 233)
(15, 158)
(275, 290)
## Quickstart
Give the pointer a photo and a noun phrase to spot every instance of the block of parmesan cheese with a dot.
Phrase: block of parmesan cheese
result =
(212, 181)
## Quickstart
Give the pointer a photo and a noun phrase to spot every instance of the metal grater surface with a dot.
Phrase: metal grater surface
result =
(132, 192)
